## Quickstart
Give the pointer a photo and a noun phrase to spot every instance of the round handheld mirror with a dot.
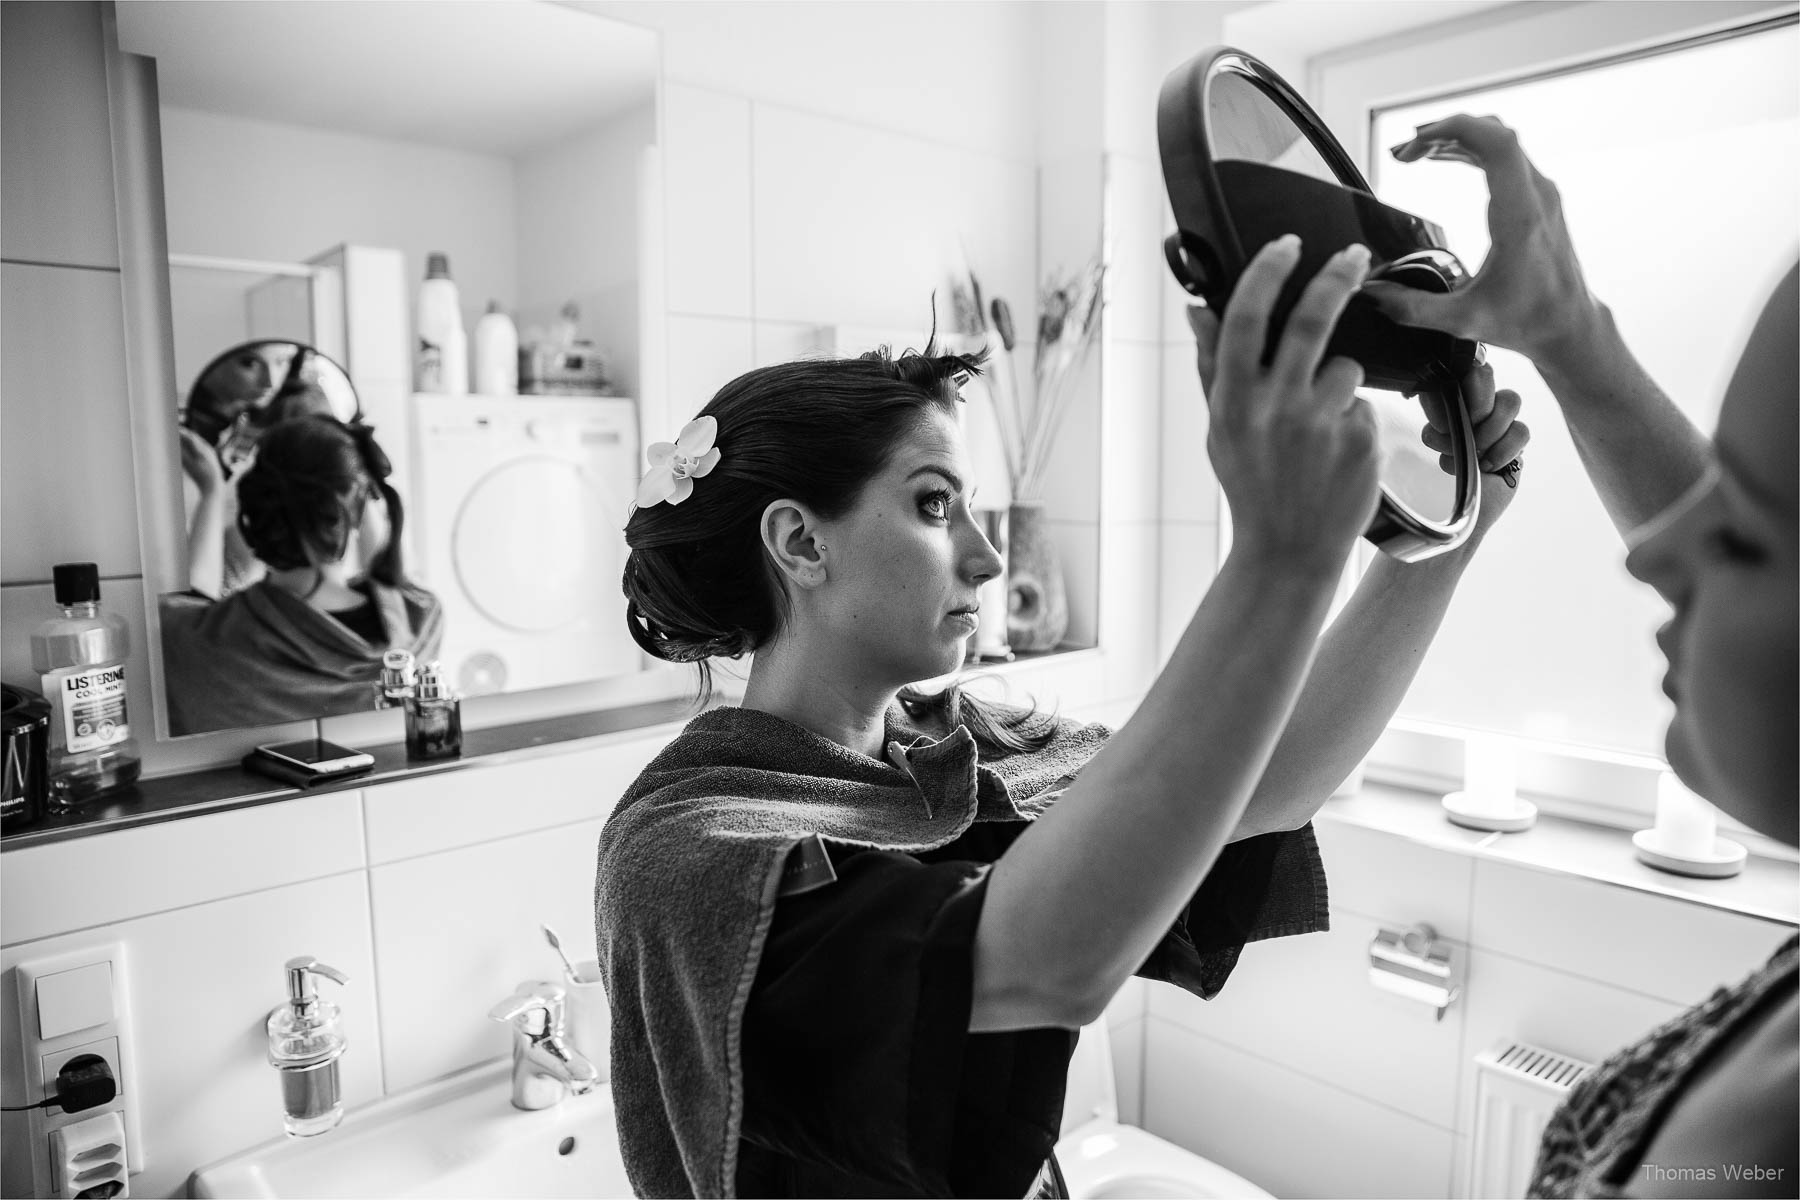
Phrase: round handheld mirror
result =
(1246, 160)
(251, 386)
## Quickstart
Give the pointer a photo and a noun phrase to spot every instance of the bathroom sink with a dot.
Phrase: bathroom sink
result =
(458, 1136)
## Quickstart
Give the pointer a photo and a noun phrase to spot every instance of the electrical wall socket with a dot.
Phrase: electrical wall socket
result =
(92, 1019)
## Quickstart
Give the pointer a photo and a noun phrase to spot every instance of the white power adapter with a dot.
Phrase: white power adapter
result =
(88, 1157)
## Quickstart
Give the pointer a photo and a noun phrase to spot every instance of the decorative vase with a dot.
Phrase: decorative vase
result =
(1037, 599)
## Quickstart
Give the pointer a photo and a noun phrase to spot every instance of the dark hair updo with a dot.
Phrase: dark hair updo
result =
(304, 495)
(698, 582)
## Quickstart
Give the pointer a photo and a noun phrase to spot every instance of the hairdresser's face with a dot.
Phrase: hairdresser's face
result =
(905, 565)
(249, 378)
(1725, 558)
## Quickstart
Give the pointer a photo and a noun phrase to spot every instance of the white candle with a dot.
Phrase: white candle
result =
(1488, 775)
(1686, 825)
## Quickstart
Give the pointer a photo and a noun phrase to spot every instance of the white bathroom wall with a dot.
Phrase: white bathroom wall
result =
(339, 187)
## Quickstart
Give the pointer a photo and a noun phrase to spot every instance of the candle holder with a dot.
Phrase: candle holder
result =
(1489, 800)
(1685, 839)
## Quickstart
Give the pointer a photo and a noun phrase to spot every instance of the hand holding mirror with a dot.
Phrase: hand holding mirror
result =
(1246, 160)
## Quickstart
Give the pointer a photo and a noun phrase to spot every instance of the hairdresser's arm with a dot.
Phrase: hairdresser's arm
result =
(1530, 296)
(206, 530)
(1084, 894)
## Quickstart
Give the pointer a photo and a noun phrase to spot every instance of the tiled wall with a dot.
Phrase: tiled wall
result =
(1318, 1084)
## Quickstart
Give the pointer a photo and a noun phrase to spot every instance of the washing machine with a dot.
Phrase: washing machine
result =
(518, 515)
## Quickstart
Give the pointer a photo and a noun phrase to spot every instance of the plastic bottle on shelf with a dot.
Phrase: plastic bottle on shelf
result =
(443, 356)
(80, 657)
(496, 353)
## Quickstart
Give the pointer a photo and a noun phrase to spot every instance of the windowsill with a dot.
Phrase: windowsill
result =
(1767, 889)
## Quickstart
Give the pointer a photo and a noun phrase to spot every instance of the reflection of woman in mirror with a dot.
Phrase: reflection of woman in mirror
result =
(239, 396)
(307, 639)
(849, 929)
(1714, 528)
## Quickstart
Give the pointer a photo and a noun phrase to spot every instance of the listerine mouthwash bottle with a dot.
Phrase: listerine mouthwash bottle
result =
(81, 658)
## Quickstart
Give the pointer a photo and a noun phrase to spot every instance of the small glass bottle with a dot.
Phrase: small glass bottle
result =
(433, 717)
(80, 657)
(304, 1046)
(397, 677)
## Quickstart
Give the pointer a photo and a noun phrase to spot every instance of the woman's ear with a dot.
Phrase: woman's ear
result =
(790, 535)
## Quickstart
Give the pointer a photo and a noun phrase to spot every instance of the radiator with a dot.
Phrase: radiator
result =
(1517, 1086)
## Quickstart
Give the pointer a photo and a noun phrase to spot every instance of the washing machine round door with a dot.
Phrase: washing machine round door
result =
(532, 547)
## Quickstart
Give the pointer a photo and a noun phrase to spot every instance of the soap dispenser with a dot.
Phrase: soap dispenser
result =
(305, 1045)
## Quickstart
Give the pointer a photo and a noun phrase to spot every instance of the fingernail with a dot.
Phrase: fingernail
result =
(1396, 149)
(1193, 317)
(1286, 244)
(1355, 257)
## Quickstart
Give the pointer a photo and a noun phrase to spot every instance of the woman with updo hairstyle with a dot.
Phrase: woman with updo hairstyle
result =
(849, 928)
(307, 639)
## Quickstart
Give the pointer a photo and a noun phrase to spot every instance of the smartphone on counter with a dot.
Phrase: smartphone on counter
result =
(307, 762)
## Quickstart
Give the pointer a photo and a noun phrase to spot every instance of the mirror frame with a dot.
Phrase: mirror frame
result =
(1210, 272)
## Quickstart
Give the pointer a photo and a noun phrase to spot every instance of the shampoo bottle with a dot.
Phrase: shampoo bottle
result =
(304, 1046)
(496, 353)
(80, 657)
(443, 362)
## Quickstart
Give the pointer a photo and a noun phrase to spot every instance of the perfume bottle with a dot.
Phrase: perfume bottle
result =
(398, 678)
(433, 716)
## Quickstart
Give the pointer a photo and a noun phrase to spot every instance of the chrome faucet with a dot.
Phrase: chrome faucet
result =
(545, 1067)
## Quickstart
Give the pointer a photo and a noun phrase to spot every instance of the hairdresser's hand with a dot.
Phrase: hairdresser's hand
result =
(200, 463)
(1529, 295)
(1500, 437)
(1292, 443)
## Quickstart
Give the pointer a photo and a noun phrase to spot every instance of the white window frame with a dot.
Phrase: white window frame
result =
(1501, 45)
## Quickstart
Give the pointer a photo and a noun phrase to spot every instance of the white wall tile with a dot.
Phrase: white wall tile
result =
(455, 933)
(1078, 544)
(1190, 489)
(1130, 432)
(1665, 948)
(856, 226)
(1128, 598)
(68, 489)
(785, 341)
(461, 808)
(23, 607)
(108, 877)
(56, 196)
(1071, 211)
(200, 982)
(1128, 1069)
(1134, 189)
(1394, 881)
(1128, 1004)
(1335, 1026)
(1188, 558)
(1072, 476)
(706, 177)
(878, 65)
(705, 353)
(1280, 1129)
(1505, 999)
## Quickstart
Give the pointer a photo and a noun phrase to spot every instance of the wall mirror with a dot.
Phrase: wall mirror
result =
(1246, 160)
(306, 160)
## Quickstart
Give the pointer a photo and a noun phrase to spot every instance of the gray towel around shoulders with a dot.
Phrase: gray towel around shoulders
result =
(690, 867)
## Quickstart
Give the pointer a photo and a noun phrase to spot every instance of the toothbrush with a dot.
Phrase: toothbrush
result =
(556, 945)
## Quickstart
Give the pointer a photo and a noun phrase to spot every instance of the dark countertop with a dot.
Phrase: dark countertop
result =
(172, 797)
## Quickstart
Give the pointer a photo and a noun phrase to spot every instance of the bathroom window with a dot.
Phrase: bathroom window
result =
(1679, 167)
